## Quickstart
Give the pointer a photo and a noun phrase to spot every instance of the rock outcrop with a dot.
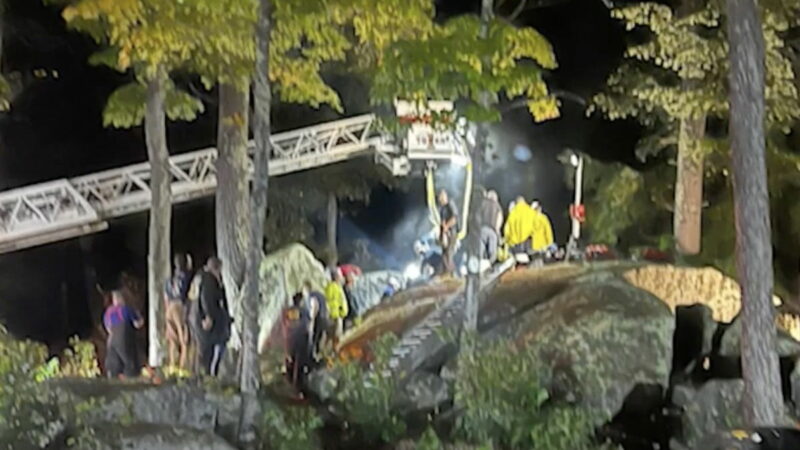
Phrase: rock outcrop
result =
(605, 335)
(712, 409)
(283, 273)
(369, 288)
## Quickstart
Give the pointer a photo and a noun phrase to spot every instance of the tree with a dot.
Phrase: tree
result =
(472, 60)
(132, 32)
(762, 401)
(676, 79)
(317, 193)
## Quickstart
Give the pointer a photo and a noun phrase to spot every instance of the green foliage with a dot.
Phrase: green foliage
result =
(367, 394)
(681, 71)
(506, 400)
(429, 440)
(289, 428)
(22, 368)
(80, 360)
(125, 106)
(456, 63)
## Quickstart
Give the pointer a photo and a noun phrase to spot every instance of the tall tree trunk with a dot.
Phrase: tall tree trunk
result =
(762, 401)
(477, 154)
(233, 196)
(689, 187)
(688, 209)
(158, 267)
(263, 97)
(250, 376)
(333, 216)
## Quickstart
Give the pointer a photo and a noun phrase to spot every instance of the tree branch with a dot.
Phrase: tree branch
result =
(558, 93)
(519, 9)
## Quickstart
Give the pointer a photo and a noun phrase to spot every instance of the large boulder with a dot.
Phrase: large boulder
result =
(283, 273)
(181, 405)
(113, 436)
(602, 333)
(369, 287)
(730, 343)
(710, 410)
(678, 286)
(422, 392)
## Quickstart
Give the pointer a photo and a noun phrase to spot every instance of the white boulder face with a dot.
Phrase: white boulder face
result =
(282, 274)
(369, 288)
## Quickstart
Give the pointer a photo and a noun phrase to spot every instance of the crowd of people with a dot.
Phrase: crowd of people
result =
(526, 233)
(198, 322)
(315, 321)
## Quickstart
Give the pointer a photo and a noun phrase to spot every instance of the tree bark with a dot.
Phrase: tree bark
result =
(689, 187)
(477, 154)
(333, 216)
(158, 266)
(762, 400)
(688, 208)
(233, 197)
(251, 376)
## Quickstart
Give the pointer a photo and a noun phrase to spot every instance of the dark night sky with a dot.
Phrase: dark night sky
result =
(54, 130)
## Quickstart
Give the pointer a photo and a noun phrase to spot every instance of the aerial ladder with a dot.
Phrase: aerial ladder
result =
(66, 208)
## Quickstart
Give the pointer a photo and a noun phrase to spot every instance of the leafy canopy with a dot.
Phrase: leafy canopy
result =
(681, 71)
(455, 63)
(214, 38)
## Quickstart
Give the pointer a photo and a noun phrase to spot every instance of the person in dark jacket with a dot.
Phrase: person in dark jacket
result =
(121, 322)
(215, 319)
(317, 306)
(491, 226)
(296, 323)
(448, 232)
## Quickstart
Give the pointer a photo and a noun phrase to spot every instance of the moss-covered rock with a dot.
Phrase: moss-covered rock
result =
(731, 340)
(709, 410)
(113, 436)
(604, 335)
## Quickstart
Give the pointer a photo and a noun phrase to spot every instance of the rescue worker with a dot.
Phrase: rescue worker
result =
(337, 304)
(215, 318)
(542, 230)
(519, 227)
(349, 285)
(176, 294)
(448, 231)
(491, 225)
(318, 310)
(121, 322)
(296, 323)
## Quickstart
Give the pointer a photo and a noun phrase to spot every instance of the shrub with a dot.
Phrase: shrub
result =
(24, 412)
(367, 394)
(79, 360)
(506, 401)
(290, 428)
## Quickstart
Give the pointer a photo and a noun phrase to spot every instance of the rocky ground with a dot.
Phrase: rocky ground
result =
(656, 372)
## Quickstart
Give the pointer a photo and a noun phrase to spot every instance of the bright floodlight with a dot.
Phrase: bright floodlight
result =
(413, 271)
(573, 159)
(460, 160)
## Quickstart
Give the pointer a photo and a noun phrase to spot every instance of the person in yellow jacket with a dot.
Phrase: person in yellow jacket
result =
(542, 235)
(337, 303)
(518, 229)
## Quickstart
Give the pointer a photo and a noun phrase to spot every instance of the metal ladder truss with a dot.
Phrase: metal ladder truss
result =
(66, 208)
(429, 336)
